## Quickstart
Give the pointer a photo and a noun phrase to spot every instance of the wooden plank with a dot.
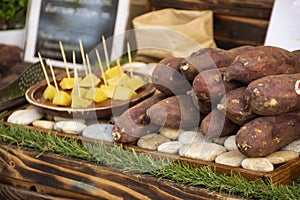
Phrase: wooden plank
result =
(239, 31)
(66, 177)
(258, 9)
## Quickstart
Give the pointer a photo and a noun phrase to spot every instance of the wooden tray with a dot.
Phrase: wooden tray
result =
(283, 174)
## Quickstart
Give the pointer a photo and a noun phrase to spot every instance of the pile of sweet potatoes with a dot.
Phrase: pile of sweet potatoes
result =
(248, 91)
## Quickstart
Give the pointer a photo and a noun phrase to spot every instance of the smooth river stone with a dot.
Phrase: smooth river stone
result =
(152, 141)
(232, 158)
(58, 119)
(230, 144)
(72, 127)
(171, 133)
(44, 124)
(220, 140)
(258, 164)
(293, 146)
(188, 137)
(99, 132)
(202, 150)
(279, 157)
(25, 117)
(169, 147)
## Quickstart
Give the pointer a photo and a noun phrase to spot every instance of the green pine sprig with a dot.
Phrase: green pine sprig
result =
(130, 161)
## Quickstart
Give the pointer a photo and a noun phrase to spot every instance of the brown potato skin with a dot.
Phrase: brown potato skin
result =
(175, 112)
(209, 85)
(273, 95)
(216, 124)
(234, 105)
(134, 123)
(262, 61)
(166, 77)
(265, 135)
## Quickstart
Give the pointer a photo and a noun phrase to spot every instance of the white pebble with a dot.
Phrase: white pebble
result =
(58, 119)
(258, 164)
(293, 146)
(203, 151)
(169, 147)
(220, 140)
(232, 158)
(188, 137)
(279, 157)
(230, 143)
(99, 132)
(72, 127)
(45, 124)
(152, 141)
(25, 117)
(171, 133)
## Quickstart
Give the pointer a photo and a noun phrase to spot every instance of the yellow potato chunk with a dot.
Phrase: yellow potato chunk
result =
(108, 90)
(96, 94)
(67, 83)
(62, 98)
(79, 102)
(123, 93)
(135, 83)
(118, 80)
(75, 92)
(49, 92)
(113, 72)
(89, 81)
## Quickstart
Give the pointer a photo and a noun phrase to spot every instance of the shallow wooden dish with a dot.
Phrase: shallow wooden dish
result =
(105, 109)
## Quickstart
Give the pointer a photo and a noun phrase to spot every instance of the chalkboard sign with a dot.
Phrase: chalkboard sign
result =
(71, 21)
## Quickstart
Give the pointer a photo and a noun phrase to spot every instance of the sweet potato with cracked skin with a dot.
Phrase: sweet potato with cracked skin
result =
(216, 124)
(273, 95)
(175, 112)
(262, 61)
(134, 123)
(265, 135)
(205, 59)
(166, 77)
(209, 85)
(209, 58)
(234, 106)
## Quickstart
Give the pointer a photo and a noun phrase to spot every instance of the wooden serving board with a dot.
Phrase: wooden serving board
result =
(282, 174)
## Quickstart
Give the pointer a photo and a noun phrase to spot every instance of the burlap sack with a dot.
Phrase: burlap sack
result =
(171, 32)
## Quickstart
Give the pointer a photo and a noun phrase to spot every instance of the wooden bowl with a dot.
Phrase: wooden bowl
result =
(105, 109)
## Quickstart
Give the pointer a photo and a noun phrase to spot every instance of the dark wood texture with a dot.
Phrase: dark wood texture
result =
(236, 22)
(29, 176)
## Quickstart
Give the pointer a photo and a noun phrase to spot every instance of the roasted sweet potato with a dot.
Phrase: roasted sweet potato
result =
(175, 112)
(166, 77)
(273, 95)
(216, 124)
(233, 104)
(205, 59)
(9, 55)
(134, 123)
(265, 135)
(261, 61)
(209, 85)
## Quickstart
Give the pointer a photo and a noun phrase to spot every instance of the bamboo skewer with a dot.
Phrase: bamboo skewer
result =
(129, 59)
(90, 72)
(101, 67)
(76, 74)
(53, 75)
(118, 61)
(44, 69)
(105, 52)
(83, 57)
(64, 58)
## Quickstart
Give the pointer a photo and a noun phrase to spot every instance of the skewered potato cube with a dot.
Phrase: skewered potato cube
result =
(108, 90)
(49, 92)
(87, 82)
(113, 72)
(118, 80)
(62, 98)
(96, 94)
(79, 102)
(123, 93)
(135, 83)
(67, 83)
